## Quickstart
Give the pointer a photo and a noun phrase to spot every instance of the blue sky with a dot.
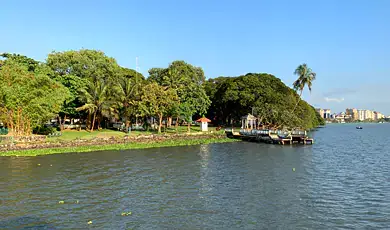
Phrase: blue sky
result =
(345, 42)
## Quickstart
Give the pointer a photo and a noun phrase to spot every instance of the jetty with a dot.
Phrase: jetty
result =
(249, 132)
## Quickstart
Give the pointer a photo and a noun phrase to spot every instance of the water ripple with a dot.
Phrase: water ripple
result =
(341, 182)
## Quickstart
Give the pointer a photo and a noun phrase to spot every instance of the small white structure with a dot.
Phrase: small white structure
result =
(248, 122)
(203, 124)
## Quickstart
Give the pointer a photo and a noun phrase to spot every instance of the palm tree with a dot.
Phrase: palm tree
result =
(128, 93)
(96, 99)
(305, 78)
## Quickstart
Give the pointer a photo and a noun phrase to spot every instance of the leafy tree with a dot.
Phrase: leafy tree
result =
(156, 101)
(129, 87)
(88, 74)
(28, 98)
(29, 63)
(188, 81)
(305, 78)
(264, 94)
(96, 99)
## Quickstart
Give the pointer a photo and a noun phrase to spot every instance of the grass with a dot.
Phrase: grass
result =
(126, 146)
(69, 135)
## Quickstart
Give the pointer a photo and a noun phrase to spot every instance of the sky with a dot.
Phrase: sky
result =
(345, 42)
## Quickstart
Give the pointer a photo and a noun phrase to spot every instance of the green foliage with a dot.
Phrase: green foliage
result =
(43, 130)
(305, 78)
(27, 99)
(82, 71)
(265, 95)
(29, 63)
(131, 145)
(128, 92)
(188, 81)
(87, 84)
(91, 77)
(156, 101)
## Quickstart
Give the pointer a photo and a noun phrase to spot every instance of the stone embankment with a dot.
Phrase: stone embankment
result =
(40, 142)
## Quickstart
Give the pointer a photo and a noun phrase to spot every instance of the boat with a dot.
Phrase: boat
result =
(359, 127)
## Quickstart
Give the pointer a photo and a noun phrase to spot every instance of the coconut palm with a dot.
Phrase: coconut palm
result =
(305, 78)
(96, 99)
(128, 91)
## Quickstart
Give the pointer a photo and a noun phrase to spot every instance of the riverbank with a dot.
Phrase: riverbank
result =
(112, 143)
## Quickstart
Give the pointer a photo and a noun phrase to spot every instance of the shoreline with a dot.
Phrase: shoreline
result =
(93, 145)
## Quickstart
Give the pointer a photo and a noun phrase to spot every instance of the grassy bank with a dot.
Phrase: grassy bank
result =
(124, 146)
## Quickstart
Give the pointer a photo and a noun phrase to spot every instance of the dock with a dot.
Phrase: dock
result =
(271, 136)
(250, 132)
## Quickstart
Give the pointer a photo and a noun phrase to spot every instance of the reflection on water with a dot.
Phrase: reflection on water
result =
(342, 181)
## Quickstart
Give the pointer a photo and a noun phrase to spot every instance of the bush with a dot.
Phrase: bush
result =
(43, 130)
(3, 131)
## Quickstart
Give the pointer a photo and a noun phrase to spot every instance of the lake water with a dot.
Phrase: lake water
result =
(341, 182)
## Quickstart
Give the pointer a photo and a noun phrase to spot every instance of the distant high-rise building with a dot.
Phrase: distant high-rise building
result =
(327, 114)
(361, 115)
(353, 113)
(378, 116)
(321, 112)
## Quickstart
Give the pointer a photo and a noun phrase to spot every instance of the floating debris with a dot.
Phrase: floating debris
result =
(293, 169)
(77, 201)
(39, 164)
(61, 202)
(90, 222)
(51, 165)
(126, 213)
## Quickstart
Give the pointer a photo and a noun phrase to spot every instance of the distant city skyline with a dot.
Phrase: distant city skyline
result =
(343, 111)
(351, 114)
(344, 42)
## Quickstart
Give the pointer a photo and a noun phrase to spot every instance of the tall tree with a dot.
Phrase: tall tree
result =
(28, 98)
(188, 82)
(96, 99)
(156, 101)
(129, 87)
(88, 74)
(305, 78)
(264, 94)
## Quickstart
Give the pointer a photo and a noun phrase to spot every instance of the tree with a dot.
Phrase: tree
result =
(264, 94)
(188, 81)
(156, 100)
(305, 78)
(88, 74)
(96, 99)
(28, 98)
(129, 87)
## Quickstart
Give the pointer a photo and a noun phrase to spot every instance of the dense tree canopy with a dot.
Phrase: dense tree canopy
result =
(88, 85)
(28, 97)
(156, 100)
(265, 95)
(188, 81)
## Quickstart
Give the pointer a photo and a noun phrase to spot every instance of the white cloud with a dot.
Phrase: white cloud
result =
(330, 99)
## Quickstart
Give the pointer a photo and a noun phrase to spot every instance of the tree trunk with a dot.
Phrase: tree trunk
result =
(160, 117)
(299, 99)
(63, 123)
(189, 127)
(60, 123)
(177, 122)
(93, 121)
(169, 122)
(127, 122)
(99, 122)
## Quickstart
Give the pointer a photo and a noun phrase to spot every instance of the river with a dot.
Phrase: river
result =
(340, 182)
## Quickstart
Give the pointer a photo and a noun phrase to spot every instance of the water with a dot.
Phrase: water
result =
(341, 182)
